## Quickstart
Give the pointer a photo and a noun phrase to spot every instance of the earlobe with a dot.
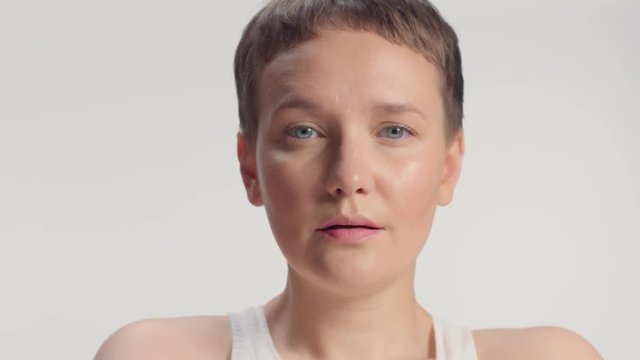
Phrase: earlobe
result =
(253, 193)
(248, 170)
(452, 169)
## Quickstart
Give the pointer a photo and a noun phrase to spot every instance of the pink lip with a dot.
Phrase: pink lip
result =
(344, 220)
(350, 229)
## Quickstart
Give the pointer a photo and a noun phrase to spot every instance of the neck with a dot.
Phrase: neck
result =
(310, 322)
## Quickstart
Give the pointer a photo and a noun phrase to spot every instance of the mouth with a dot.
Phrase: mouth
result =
(354, 229)
(346, 222)
(335, 227)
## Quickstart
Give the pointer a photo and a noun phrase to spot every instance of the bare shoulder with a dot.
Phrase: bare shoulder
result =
(539, 343)
(194, 337)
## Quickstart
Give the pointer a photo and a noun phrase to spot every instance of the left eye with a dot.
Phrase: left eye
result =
(302, 132)
(395, 132)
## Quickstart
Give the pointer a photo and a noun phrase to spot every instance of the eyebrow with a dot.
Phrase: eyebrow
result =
(385, 107)
(398, 108)
(296, 102)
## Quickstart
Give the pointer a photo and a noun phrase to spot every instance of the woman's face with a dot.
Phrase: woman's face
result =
(350, 128)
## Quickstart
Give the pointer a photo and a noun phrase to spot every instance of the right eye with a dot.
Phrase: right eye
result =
(302, 132)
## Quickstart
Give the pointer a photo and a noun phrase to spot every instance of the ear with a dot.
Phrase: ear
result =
(452, 169)
(248, 170)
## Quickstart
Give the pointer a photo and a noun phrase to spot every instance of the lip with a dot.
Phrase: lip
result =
(343, 220)
(356, 228)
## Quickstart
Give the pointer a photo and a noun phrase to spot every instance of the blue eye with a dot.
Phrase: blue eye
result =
(395, 132)
(302, 132)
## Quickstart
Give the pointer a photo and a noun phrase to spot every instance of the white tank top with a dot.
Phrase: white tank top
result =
(252, 340)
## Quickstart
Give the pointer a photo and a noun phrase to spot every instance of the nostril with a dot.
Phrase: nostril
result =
(340, 191)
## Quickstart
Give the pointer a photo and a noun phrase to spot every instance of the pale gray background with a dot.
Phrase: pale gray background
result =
(120, 197)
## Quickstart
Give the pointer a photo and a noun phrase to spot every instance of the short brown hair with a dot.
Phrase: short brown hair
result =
(284, 24)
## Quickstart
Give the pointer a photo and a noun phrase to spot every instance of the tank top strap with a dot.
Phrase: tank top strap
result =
(453, 342)
(251, 338)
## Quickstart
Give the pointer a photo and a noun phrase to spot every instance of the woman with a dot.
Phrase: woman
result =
(351, 136)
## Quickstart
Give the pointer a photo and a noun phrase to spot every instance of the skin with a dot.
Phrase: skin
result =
(331, 141)
(375, 144)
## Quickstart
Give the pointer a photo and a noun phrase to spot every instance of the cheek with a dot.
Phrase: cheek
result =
(286, 188)
(411, 190)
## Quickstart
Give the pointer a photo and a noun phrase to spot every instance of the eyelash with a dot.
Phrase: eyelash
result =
(403, 127)
(289, 132)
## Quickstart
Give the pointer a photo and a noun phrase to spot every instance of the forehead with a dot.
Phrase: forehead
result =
(350, 70)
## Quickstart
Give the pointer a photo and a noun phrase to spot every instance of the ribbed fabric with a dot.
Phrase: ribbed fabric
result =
(252, 341)
(251, 338)
(453, 342)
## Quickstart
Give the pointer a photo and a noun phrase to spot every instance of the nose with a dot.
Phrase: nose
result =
(349, 169)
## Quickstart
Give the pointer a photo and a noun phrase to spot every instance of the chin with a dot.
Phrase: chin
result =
(353, 275)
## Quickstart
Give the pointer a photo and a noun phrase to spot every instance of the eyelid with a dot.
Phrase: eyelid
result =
(288, 130)
(402, 126)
